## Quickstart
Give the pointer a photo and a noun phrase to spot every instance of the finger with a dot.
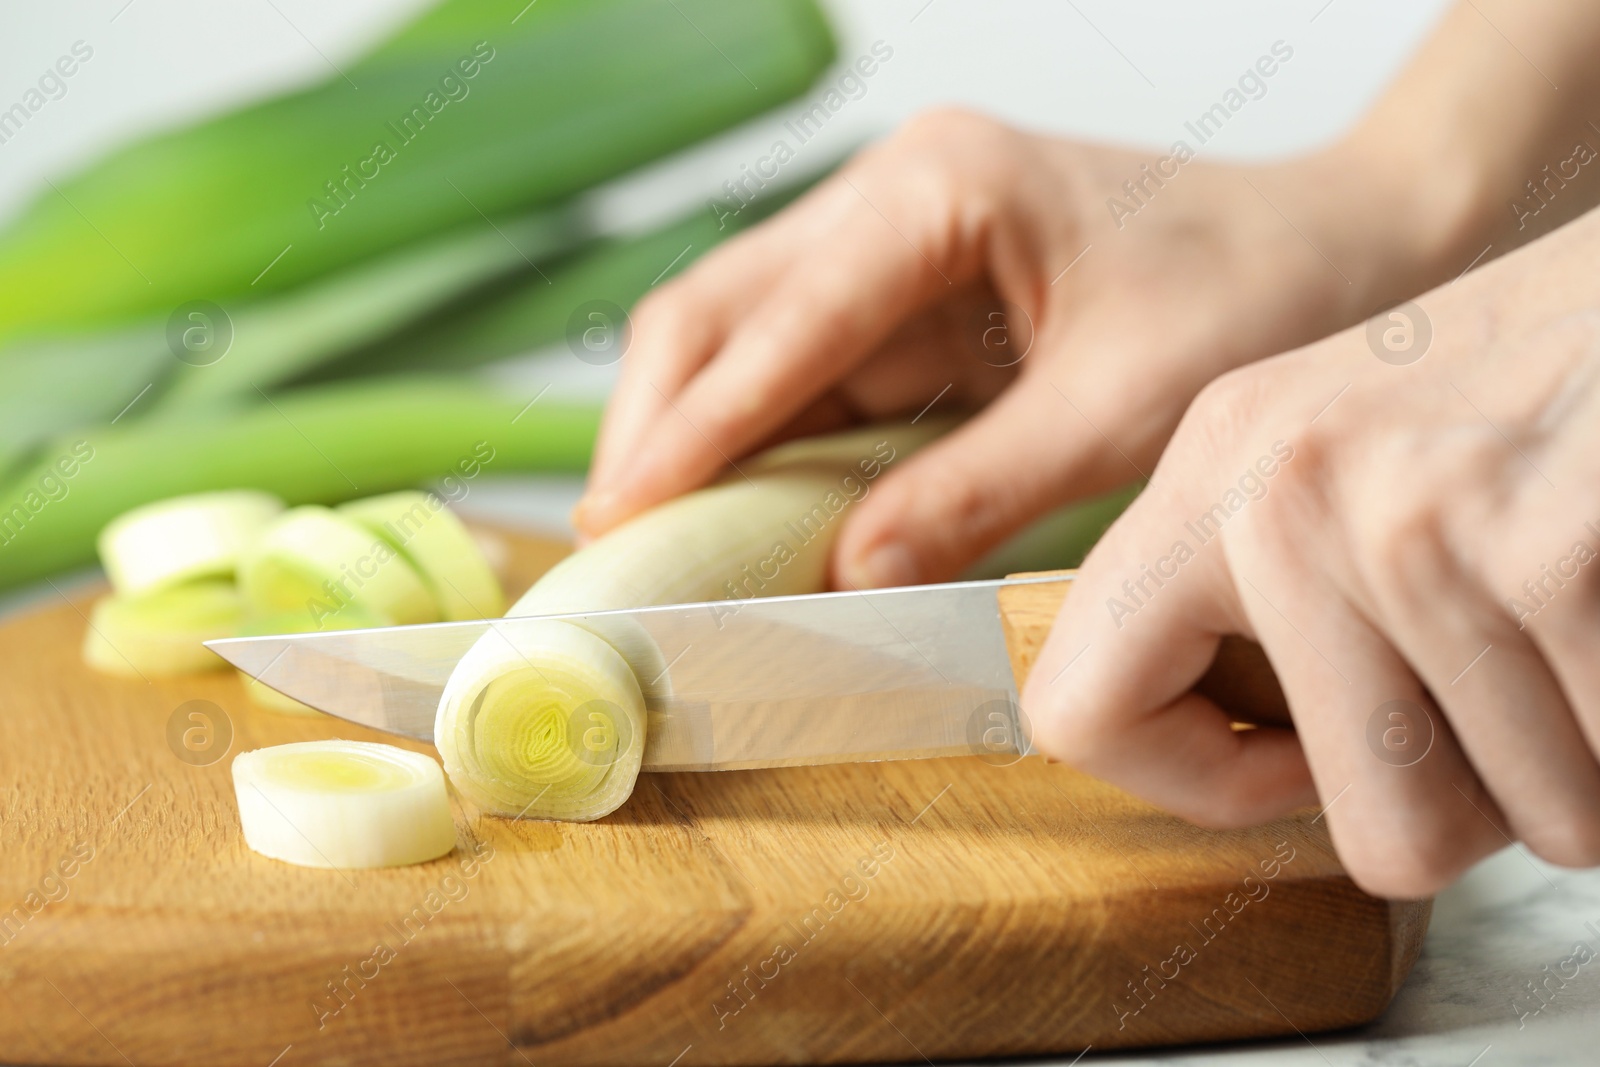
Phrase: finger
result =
(1111, 693)
(1559, 620)
(840, 300)
(1533, 701)
(677, 328)
(1403, 806)
(1504, 705)
(1023, 455)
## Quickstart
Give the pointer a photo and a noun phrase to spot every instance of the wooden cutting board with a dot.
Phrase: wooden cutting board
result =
(895, 912)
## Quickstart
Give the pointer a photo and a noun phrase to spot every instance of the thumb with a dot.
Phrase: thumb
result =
(1026, 453)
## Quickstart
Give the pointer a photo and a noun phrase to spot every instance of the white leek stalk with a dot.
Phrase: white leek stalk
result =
(430, 537)
(161, 633)
(184, 538)
(552, 725)
(343, 804)
(315, 560)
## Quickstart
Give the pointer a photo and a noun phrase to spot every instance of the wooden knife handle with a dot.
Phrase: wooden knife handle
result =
(1240, 680)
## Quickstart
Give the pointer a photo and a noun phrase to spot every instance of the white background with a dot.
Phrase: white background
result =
(1074, 68)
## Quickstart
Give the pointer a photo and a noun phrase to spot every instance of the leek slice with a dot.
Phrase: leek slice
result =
(343, 804)
(314, 560)
(429, 536)
(161, 634)
(171, 541)
(520, 713)
(550, 723)
(298, 622)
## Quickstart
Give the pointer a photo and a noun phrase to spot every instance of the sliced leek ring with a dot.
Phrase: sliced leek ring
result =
(427, 533)
(161, 634)
(552, 724)
(343, 804)
(314, 560)
(297, 622)
(182, 539)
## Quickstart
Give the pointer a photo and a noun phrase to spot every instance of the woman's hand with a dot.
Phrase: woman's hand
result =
(971, 264)
(1412, 531)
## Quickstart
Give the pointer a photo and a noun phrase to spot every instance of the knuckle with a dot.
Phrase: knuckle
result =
(1229, 399)
(947, 164)
(669, 319)
(1568, 838)
(1403, 864)
(1222, 411)
(1405, 500)
(724, 425)
(940, 126)
(1402, 535)
(1538, 572)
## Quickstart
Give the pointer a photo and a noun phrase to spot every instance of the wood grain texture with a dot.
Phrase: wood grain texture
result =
(941, 908)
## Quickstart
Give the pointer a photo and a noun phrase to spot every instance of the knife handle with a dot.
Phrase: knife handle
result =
(1240, 679)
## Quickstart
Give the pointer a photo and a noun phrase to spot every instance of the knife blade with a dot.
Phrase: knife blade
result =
(902, 673)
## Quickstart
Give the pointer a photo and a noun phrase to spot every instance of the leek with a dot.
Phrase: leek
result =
(279, 339)
(550, 723)
(547, 723)
(481, 108)
(57, 383)
(402, 557)
(162, 634)
(321, 444)
(179, 540)
(317, 560)
(429, 537)
(530, 311)
(344, 804)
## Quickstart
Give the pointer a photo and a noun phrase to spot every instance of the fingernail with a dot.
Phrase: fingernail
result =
(887, 565)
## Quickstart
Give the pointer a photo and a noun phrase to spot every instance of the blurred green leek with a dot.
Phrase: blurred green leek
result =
(276, 340)
(316, 445)
(478, 108)
(530, 310)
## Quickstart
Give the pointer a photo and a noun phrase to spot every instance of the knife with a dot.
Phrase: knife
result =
(902, 673)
